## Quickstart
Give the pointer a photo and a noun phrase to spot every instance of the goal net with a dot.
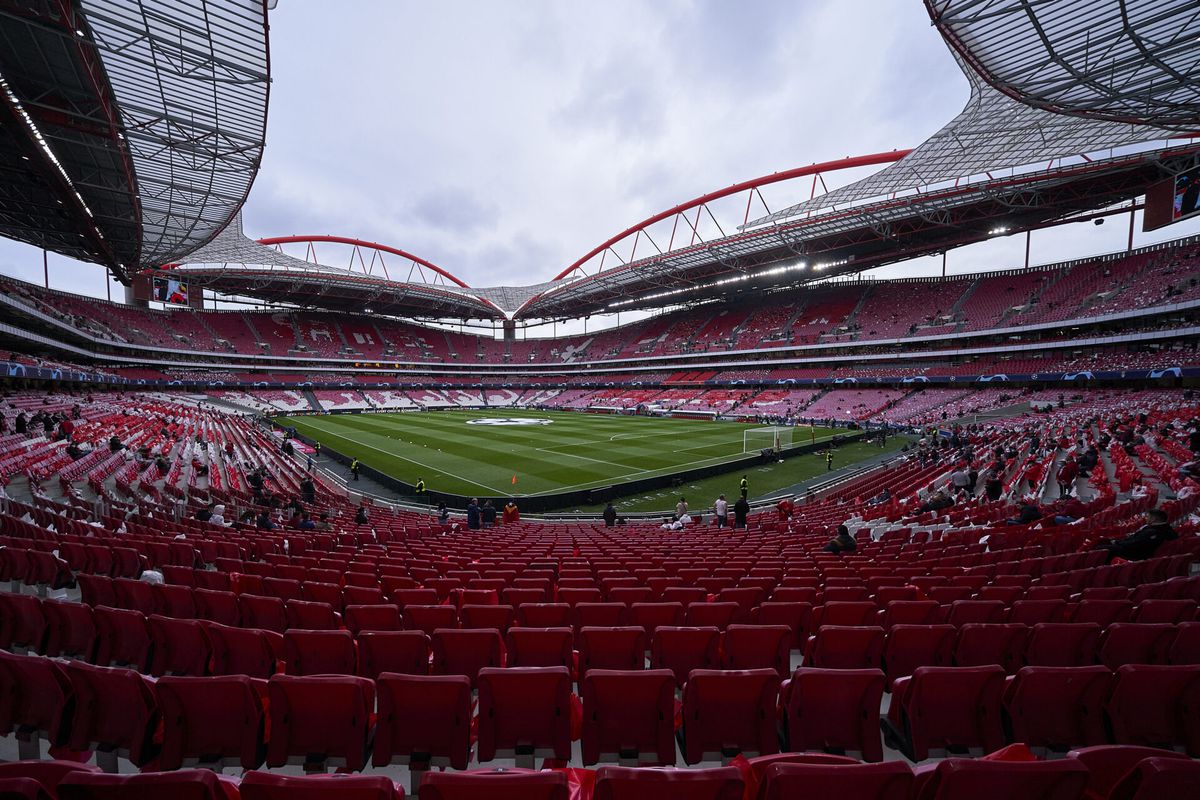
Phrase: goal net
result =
(756, 440)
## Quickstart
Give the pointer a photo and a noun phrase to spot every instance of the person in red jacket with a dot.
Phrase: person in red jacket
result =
(1067, 474)
(511, 513)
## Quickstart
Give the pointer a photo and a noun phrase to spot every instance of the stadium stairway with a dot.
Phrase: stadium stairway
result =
(312, 400)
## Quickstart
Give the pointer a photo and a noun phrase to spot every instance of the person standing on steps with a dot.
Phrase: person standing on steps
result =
(721, 507)
(741, 509)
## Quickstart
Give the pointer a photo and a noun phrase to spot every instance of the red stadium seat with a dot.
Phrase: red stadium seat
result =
(430, 618)
(187, 784)
(1058, 707)
(134, 595)
(509, 784)
(910, 612)
(682, 650)
(121, 638)
(980, 645)
(22, 622)
(726, 713)
(625, 783)
(264, 613)
(244, 651)
(1032, 612)
(46, 774)
(619, 648)
(629, 715)
(1108, 763)
(173, 601)
(834, 710)
(270, 786)
(845, 647)
(382, 617)
(497, 617)
(217, 606)
(211, 722)
(319, 652)
(115, 712)
(320, 721)
(544, 615)
(797, 616)
(888, 781)
(947, 707)
(1156, 706)
(1165, 611)
(180, 646)
(36, 701)
(711, 615)
(758, 646)
(466, 652)
(979, 612)
(404, 652)
(1062, 644)
(1135, 643)
(652, 616)
(424, 721)
(1186, 647)
(540, 647)
(976, 779)
(1155, 778)
(524, 712)
(850, 614)
(1103, 612)
(910, 646)
(311, 616)
(70, 630)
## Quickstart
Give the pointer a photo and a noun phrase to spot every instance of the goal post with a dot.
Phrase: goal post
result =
(774, 437)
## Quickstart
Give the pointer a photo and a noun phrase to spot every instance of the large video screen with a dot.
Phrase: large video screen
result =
(169, 290)
(1187, 194)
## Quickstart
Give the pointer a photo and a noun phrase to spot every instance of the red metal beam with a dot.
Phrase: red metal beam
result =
(360, 243)
(765, 180)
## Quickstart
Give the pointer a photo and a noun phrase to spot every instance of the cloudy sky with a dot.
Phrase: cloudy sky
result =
(503, 140)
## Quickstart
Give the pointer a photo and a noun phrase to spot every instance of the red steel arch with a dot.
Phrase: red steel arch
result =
(751, 186)
(365, 245)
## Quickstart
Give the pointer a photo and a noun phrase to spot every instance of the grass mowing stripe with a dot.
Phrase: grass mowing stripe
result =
(575, 450)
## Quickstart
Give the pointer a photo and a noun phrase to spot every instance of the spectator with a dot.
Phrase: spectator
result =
(993, 484)
(443, 513)
(610, 515)
(512, 514)
(842, 543)
(1142, 543)
(360, 516)
(306, 524)
(488, 513)
(1067, 473)
(308, 490)
(473, 517)
(681, 508)
(264, 521)
(218, 515)
(741, 509)
(721, 507)
(323, 523)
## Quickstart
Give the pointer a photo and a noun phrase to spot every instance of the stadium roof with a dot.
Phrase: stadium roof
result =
(132, 129)
(1004, 164)
(1132, 61)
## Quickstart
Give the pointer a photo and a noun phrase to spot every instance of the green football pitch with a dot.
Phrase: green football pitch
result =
(478, 452)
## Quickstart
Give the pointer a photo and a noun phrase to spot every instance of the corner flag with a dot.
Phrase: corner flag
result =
(514, 480)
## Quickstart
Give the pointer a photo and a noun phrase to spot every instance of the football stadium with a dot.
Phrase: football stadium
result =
(602, 401)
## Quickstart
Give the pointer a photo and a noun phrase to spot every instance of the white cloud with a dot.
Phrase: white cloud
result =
(504, 140)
